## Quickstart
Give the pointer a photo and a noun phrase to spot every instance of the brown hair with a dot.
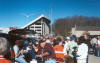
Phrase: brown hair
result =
(20, 43)
(41, 41)
(69, 60)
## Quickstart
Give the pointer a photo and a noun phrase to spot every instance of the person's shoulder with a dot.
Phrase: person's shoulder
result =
(69, 43)
(73, 41)
(14, 46)
(56, 47)
(65, 44)
(83, 44)
(8, 61)
(48, 44)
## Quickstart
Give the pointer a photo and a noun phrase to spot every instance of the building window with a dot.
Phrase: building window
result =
(38, 24)
(32, 27)
(38, 30)
(37, 27)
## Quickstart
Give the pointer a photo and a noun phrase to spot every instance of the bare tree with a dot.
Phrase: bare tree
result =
(63, 25)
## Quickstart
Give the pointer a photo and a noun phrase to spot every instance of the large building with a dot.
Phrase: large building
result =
(40, 25)
(79, 30)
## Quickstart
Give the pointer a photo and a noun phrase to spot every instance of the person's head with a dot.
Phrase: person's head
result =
(54, 42)
(81, 40)
(98, 37)
(85, 36)
(58, 41)
(69, 60)
(20, 43)
(42, 43)
(48, 38)
(4, 45)
(67, 39)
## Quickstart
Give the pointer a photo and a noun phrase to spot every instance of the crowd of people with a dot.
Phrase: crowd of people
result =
(69, 49)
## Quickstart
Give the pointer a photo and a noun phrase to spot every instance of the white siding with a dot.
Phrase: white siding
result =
(46, 28)
(79, 33)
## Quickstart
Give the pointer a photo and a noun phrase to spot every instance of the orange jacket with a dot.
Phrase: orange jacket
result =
(59, 51)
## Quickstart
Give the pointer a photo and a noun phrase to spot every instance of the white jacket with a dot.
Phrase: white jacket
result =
(82, 51)
(65, 48)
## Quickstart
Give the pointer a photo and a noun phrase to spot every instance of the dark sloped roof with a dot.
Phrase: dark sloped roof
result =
(87, 28)
(21, 31)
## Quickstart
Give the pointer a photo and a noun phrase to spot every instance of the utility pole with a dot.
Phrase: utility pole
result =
(51, 17)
